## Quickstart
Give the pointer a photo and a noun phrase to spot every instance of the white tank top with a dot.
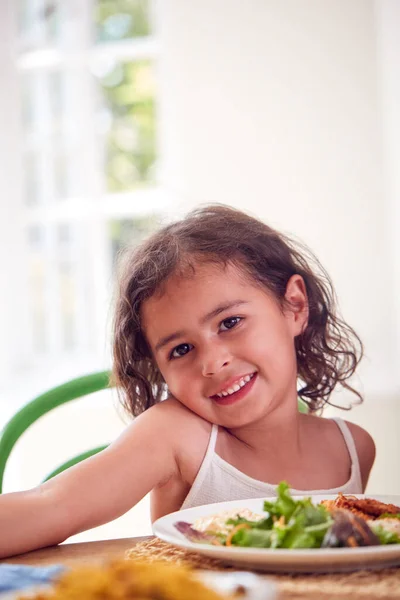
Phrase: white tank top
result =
(219, 481)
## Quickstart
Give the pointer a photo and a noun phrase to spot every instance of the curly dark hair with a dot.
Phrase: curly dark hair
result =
(328, 350)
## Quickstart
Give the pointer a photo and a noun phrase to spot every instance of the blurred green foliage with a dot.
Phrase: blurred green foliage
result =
(130, 154)
(122, 19)
(124, 233)
(128, 91)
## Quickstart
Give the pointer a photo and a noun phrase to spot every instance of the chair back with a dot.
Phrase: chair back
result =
(28, 414)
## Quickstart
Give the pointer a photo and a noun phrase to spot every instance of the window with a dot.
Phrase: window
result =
(88, 91)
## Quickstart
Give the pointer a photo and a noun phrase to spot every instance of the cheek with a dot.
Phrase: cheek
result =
(177, 379)
(265, 341)
(274, 348)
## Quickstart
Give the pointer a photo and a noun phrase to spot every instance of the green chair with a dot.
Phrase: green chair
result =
(303, 407)
(28, 414)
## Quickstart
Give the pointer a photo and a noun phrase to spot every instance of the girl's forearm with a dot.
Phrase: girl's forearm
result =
(29, 520)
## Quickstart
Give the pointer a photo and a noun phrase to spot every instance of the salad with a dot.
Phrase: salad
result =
(294, 523)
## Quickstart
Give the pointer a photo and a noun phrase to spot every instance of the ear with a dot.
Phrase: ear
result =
(296, 309)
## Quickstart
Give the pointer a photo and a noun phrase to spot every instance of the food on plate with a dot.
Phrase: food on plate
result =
(366, 508)
(387, 524)
(124, 579)
(382, 518)
(290, 522)
(218, 522)
(349, 530)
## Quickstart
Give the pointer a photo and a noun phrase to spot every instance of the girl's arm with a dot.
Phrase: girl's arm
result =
(95, 491)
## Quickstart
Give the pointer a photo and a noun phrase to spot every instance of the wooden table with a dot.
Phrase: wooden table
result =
(79, 553)
(358, 586)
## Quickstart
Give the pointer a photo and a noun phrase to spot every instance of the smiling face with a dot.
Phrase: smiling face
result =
(224, 345)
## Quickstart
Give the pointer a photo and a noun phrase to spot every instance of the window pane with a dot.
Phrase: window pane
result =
(62, 179)
(31, 178)
(66, 241)
(33, 101)
(53, 283)
(53, 17)
(27, 92)
(54, 142)
(37, 283)
(39, 23)
(128, 107)
(129, 232)
(56, 92)
(66, 172)
(122, 19)
(43, 102)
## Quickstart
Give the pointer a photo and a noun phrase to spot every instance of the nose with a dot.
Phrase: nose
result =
(214, 358)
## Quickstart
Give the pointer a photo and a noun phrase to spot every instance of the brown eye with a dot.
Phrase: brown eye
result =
(180, 350)
(229, 323)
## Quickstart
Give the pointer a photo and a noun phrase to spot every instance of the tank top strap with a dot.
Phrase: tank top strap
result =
(212, 441)
(351, 447)
(208, 457)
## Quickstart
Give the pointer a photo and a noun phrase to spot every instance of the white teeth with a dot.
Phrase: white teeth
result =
(236, 387)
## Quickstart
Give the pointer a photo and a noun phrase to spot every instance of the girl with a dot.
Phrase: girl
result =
(221, 318)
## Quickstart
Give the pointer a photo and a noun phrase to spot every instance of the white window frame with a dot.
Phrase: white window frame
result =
(92, 211)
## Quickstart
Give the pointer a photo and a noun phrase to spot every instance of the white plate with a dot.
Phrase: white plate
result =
(279, 560)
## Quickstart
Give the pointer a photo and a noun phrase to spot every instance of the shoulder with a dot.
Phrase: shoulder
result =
(176, 421)
(169, 410)
(161, 425)
(172, 411)
(365, 448)
(165, 433)
(188, 434)
(363, 442)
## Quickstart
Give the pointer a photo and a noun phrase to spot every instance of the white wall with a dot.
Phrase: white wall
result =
(291, 110)
(274, 107)
(388, 52)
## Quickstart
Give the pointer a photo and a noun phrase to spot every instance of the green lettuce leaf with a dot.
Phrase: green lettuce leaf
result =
(385, 536)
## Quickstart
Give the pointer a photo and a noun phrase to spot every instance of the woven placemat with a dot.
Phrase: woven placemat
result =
(358, 585)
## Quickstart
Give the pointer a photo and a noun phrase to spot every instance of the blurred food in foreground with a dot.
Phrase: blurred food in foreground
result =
(124, 579)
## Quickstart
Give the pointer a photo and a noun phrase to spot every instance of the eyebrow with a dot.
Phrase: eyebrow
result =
(210, 315)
